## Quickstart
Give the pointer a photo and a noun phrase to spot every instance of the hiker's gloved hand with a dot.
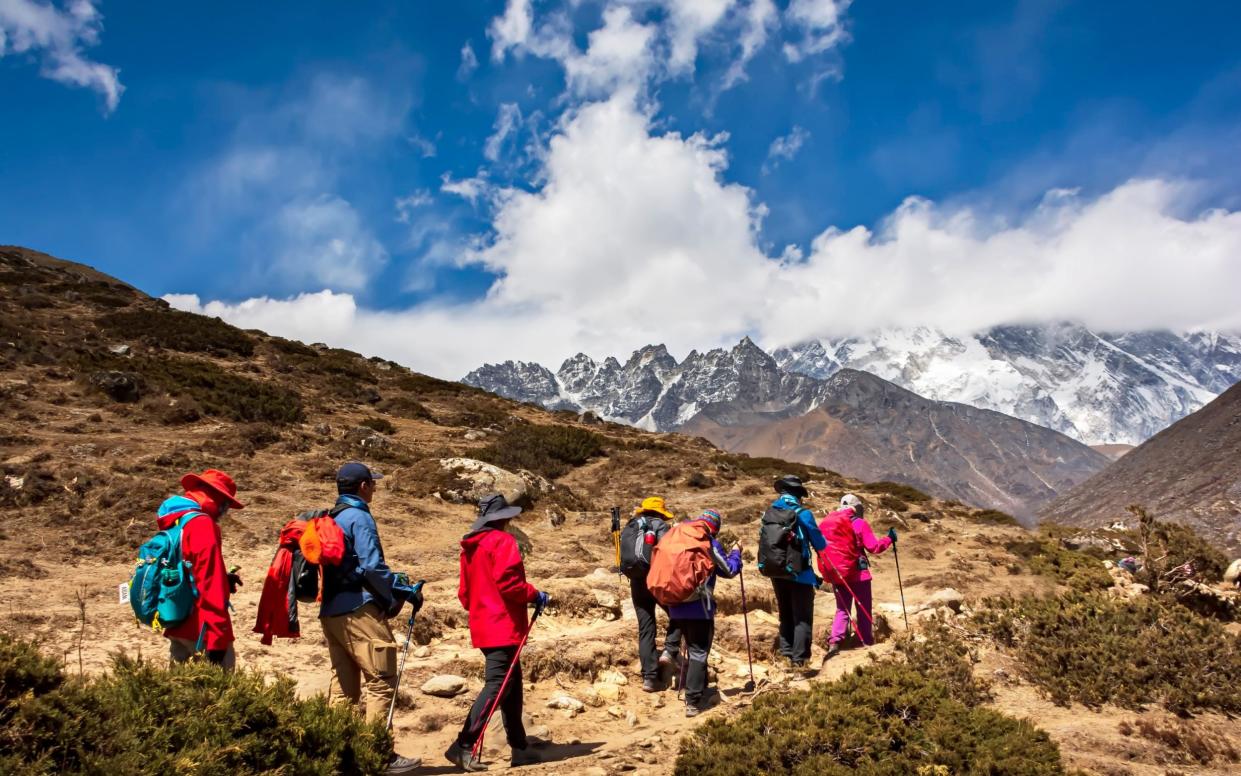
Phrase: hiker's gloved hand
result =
(541, 602)
(216, 656)
(415, 600)
(892, 535)
(234, 582)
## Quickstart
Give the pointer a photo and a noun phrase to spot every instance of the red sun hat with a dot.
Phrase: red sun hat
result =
(216, 481)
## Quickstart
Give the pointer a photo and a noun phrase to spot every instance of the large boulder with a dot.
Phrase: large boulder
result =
(484, 478)
(118, 386)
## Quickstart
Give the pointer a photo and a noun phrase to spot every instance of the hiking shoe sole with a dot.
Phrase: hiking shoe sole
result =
(463, 760)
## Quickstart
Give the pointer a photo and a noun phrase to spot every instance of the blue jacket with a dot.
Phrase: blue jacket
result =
(704, 608)
(808, 533)
(343, 591)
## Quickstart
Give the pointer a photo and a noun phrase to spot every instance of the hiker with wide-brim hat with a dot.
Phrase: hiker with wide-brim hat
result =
(794, 584)
(494, 591)
(355, 608)
(651, 520)
(208, 630)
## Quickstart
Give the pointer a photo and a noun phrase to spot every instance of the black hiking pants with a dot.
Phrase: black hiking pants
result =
(698, 637)
(795, 602)
(498, 661)
(644, 607)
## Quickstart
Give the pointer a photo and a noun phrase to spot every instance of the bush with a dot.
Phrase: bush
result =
(993, 517)
(1047, 557)
(382, 425)
(405, 407)
(699, 480)
(902, 491)
(141, 719)
(547, 450)
(888, 501)
(882, 719)
(177, 330)
(213, 390)
(1094, 649)
(1171, 551)
(941, 653)
(762, 466)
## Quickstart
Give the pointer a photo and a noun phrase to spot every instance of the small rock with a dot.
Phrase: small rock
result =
(474, 436)
(613, 677)
(631, 719)
(616, 711)
(423, 651)
(593, 770)
(323, 429)
(119, 350)
(604, 694)
(566, 702)
(444, 686)
(946, 597)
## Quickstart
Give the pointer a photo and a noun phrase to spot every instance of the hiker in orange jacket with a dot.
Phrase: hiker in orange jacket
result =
(208, 496)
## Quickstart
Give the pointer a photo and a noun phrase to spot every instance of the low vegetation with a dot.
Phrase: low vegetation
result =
(887, 718)
(761, 466)
(941, 653)
(547, 450)
(137, 718)
(907, 493)
(177, 330)
(993, 517)
(1093, 649)
(1046, 556)
(1171, 552)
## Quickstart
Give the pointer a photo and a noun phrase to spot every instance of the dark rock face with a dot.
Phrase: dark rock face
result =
(123, 387)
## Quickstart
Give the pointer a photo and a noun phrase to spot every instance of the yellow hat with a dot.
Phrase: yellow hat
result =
(654, 504)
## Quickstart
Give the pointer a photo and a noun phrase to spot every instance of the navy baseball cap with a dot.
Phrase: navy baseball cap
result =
(353, 473)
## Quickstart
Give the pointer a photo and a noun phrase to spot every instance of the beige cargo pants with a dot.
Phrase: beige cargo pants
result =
(363, 654)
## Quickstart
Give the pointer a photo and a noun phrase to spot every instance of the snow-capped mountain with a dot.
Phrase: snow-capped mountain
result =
(1098, 387)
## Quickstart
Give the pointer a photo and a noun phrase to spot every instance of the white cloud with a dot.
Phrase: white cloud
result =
(58, 36)
(512, 29)
(618, 55)
(469, 62)
(688, 22)
(469, 189)
(319, 241)
(821, 27)
(405, 206)
(757, 21)
(786, 147)
(507, 122)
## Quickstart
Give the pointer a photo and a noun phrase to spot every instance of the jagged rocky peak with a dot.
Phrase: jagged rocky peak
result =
(519, 380)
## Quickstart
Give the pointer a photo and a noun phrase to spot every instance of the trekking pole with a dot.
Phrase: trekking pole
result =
(409, 635)
(616, 528)
(478, 743)
(897, 556)
(745, 617)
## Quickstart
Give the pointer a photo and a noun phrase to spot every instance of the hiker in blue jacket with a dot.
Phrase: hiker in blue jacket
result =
(696, 619)
(795, 597)
(358, 597)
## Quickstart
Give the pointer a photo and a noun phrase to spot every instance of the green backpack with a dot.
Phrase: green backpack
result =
(162, 590)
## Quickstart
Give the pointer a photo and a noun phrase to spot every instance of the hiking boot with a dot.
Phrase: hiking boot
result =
(463, 759)
(832, 651)
(651, 685)
(398, 765)
(525, 756)
(691, 710)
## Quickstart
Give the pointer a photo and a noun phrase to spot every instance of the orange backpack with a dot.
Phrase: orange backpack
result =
(322, 542)
(681, 564)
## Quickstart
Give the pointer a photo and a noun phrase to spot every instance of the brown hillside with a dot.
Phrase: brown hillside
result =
(109, 396)
(1190, 473)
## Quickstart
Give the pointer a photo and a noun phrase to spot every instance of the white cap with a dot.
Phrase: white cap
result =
(850, 500)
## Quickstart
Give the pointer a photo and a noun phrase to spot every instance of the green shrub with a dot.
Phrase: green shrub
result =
(405, 407)
(944, 655)
(177, 330)
(900, 490)
(1045, 556)
(993, 517)
(23, 669)
(1094, 649)
(213, 390)
(191, 718)
(382, 425)
(882, 719)
(1165, 547)
(547, 450)
(888, 501)
(762, 466)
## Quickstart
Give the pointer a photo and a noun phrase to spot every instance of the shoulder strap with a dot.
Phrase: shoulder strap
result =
(336, 510)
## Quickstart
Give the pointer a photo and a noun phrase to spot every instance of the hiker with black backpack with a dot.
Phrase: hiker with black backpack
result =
(180, 583)
(650, 521)
(359, 594)
(494, 592)
(683, 570)
(786, 535)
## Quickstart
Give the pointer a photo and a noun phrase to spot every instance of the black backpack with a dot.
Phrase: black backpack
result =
(635, 550)
(779, 548)
(304, 575)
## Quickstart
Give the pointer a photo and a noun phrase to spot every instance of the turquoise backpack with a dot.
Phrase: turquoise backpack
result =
(162, 591)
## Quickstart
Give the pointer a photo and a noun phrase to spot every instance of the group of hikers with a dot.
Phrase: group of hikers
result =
(335, 557)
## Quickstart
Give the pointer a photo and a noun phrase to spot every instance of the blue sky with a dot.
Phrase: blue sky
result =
(447, 183)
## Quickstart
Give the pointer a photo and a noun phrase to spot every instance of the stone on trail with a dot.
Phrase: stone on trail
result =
(603, 694)
(566, 702)
(444, 686)
(946, 597)
(616, 711)
(613, 677)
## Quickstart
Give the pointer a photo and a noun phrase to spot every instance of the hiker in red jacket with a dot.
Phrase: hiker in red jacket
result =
(845, 565)
(209, 627)
(495, 593)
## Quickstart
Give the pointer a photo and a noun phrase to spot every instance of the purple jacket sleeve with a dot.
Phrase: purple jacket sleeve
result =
(869, 541)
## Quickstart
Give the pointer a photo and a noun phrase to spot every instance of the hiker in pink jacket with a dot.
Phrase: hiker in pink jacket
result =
(844, 564)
